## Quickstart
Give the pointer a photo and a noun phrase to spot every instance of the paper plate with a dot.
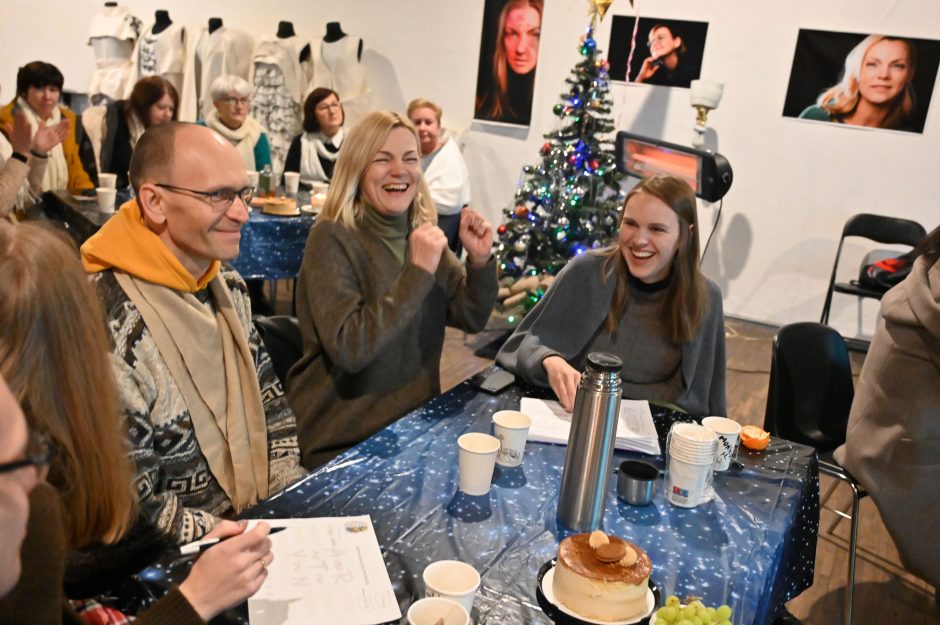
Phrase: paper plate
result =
(563, 615)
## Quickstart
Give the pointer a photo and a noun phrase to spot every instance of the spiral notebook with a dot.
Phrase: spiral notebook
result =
(635, 429)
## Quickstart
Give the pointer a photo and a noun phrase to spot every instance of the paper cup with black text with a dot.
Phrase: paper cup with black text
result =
(512, 430)
(729, 433)
(452, 579)
(477, 459)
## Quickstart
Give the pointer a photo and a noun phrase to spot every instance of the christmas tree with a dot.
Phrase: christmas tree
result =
(569, 202)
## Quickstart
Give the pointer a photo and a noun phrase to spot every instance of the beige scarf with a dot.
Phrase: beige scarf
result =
(57, 171)
(208, 356)
(244, 138)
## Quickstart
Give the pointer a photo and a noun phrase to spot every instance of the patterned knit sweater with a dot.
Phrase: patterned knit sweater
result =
(178, 493)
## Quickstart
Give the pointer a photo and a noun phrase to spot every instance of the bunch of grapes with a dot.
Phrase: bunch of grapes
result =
(695, 613)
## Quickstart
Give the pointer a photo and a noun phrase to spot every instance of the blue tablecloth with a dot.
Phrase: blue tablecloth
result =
(272, 246)
(753, 547)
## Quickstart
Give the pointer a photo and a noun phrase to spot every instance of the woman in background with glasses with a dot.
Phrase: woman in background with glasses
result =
(313, 153)
(112, 130)
(54, 356)
(230, 119)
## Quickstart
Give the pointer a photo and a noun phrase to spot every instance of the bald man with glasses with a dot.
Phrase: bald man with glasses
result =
(211, 429)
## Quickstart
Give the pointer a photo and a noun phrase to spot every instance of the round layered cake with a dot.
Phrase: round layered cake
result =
(280, 206)
(602, 577)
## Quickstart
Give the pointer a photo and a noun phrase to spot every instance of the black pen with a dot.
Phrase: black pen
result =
(201, 545)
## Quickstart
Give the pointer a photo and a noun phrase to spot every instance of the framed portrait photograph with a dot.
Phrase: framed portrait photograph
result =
(509, 56)
(862, 80)
(668, 52)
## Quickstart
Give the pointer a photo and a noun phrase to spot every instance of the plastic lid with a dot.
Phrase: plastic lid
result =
(602, 361)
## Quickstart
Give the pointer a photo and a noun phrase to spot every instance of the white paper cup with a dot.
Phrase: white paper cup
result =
(320, 187)
(729, 432)
(107, 181)
(253, 178)
(687, 482)
(106, 199)
(452, 579)
(477, 458)
(429, 610)
(291, 182)
(512, 430)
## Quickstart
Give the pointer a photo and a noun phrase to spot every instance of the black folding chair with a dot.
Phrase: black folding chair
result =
(886, 230)
(808, 402)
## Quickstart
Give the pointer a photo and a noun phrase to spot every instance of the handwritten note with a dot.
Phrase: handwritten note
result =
(635, 430)
(326, 571)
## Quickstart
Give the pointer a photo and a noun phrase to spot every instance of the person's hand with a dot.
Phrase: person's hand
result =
(47, 137)
(564, 380)
(649, 67)
(225, 528)
(21, 135)
(426, 244)
(476, 236)
(228, 573)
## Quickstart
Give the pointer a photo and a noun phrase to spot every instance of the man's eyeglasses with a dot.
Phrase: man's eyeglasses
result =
(39, 453)
(233, 101)
(220, 199)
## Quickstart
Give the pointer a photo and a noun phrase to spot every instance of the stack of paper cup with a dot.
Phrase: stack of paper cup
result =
(691, 450)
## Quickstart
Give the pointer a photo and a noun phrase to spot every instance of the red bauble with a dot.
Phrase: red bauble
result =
(501, 230)
(573, 159)
(522, 210)
(546, 149)
(595, 164)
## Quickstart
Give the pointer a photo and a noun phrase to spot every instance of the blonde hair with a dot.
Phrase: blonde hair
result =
(842, 99)
(344, 203)
(54, 355)
(421, 103)
(687, 294)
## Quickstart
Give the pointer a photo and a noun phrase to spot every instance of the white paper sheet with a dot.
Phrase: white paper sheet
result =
(326, 571)
(635, 430)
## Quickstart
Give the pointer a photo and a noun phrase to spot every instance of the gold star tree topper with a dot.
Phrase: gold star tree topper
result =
(598, 8)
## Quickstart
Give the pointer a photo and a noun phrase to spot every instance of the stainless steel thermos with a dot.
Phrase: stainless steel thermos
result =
(588, 463)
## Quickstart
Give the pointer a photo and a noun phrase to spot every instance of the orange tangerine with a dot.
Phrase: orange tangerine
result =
(754, 438)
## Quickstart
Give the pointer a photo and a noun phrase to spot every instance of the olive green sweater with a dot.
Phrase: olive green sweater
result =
(373, 332)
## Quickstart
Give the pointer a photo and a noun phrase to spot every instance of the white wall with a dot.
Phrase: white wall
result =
(795, 182)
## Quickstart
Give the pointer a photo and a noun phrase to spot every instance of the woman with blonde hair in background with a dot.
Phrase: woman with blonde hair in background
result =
(876, 88)
(54, 355)
(444, 169)
(376, 287)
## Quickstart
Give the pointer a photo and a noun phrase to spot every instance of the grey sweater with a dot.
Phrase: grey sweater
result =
(567, 321)
(373, 333)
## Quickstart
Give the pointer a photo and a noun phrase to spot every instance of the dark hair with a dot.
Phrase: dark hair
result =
(682, 47)
(38, 74)
(154, 153)
(147, 92)
(310, 107)
(929, 246)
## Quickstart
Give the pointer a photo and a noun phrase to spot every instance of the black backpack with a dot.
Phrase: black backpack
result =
(886, 273)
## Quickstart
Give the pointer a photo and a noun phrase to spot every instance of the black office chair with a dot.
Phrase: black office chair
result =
(887, 230)
(283, 340)
(808, 402)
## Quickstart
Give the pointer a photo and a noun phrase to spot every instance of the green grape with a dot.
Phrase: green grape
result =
(672, 600)
(724, 613)
(725, 622)
(712, 615)
(670, 613)
(687, 612)
(684, 622)
(660, 621)
(696, 604)
(697, 620)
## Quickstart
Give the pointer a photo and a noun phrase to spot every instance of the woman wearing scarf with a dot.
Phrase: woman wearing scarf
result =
(38, 88)
(313, 153)
(230, 119)
(376, 287)
(113, 129)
